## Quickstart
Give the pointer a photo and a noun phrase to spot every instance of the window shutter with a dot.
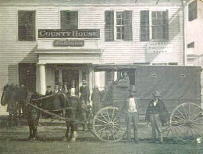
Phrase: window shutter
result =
(69, 20)
(127, 18)
(109, 25)
(26, 25)
(165, 22)
(144, 25)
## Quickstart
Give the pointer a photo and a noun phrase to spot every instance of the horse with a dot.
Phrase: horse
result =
(14, 96)
(59, 102)
(8, 97)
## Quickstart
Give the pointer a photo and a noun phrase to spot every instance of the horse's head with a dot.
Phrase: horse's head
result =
(6, 94)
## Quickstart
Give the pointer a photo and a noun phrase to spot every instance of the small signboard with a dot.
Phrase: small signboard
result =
(69, 43)
(68, 33)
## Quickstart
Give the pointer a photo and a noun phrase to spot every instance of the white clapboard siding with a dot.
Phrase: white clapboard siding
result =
(48, 18)
(13, 52)
(125, 52)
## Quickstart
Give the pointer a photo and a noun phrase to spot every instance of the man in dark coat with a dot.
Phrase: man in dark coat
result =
(84, 92)
(72, 114)
(156, 114)
(84, 100)
(96, 99)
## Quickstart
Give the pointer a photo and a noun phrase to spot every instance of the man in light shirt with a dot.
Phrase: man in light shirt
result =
(132, 116)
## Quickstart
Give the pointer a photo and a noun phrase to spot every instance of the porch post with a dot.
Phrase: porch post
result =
(115, 76)
(42, 79)
(91, 80)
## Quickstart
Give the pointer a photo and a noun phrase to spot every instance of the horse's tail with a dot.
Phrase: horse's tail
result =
(2, 101)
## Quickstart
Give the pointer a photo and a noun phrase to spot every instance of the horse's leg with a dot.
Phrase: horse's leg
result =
(35, 135)
(73, 131)
(31, 132)
(66, 138)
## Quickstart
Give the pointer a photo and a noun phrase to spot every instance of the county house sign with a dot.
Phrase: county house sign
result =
(68, 33)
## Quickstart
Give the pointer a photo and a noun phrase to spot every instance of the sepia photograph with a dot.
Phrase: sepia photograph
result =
(101, 77)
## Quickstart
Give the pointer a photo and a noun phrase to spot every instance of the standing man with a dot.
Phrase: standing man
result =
(84, 92)
(96, 99)
(84, 100)
(156, 114)
(72, 113)
(132, 116)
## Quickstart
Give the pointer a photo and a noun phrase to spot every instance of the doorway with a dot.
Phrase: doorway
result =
(27, 75)
(71, 79)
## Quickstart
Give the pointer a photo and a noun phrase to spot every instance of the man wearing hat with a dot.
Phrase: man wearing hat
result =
(49, 91)
(156, 114)
(84, 91)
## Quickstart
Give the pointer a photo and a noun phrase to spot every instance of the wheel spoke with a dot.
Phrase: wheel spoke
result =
(108, 115)
(99, 125)
(101, 120)
(113, 114)
(104, 117)
(181, 114)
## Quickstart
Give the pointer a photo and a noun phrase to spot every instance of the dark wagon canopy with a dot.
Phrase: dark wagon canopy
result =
(177, 84)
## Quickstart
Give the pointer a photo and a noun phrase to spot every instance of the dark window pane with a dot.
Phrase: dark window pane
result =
(69, 20)
(191, 45)
(192, 8)
(160, 25)
(127, 28)
(26, 25)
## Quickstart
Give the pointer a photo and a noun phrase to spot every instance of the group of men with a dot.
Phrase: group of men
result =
(156, 114)
(83, 99)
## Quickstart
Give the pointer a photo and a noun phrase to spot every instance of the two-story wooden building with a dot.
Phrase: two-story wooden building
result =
(194, 32)
(46, 42)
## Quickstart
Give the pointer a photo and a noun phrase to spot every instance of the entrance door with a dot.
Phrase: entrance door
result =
(71, 79)
(27, 75)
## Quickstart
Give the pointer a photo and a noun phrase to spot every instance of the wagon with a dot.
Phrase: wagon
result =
(180, 88)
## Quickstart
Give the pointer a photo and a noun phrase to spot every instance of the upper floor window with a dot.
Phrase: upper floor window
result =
(26, 25)
(122, 29)
(160, 25)
(153, 25)
(69, 20)
(192, 10)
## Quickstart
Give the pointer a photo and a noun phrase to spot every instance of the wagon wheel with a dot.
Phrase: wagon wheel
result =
(186, 120)
(109, 124)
